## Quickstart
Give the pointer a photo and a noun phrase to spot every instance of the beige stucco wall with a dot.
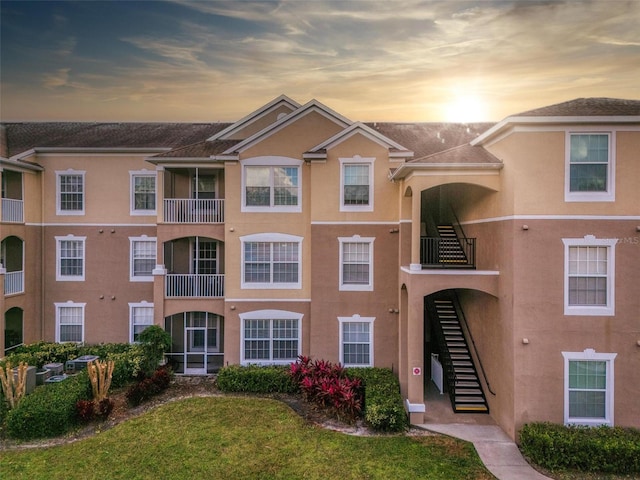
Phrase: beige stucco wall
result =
(533, 180)
(107, 187)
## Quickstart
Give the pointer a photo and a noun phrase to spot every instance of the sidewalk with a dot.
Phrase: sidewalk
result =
(496, 450)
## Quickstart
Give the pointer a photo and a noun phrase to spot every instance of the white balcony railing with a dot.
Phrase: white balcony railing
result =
(185, 210)
(194, 285)
(13, 283)
(12, 210)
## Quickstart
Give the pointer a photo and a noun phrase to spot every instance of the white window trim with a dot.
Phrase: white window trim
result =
(590, 354)
(368, 287)
(352, 319)
(271, 161)
(68, 304)
(132, 196)
(357, 159)
(132, 307)
(596, 310)
(140, 278)
(610, 194)
(271, 238)
(269, 315)
(60, 173)
(70, 278)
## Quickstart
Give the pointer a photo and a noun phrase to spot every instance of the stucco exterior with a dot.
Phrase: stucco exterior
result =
(250, 246)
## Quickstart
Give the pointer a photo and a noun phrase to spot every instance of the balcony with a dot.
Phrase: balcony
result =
(186, 210)
(13, 283)
(12, 210)
(439, 252)
(193, 285)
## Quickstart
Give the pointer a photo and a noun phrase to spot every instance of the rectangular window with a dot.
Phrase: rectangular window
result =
(143, 258)
(143, 193)
(588, 275)
(271, 264)
(356, 266)
(590, 167)
(70, 197)
(275, 340)
(356, 184)
(70, 322)
(356, 341)
(70, 265)
(140, 316)
(272, 187)
(589, 268)
(588, 388)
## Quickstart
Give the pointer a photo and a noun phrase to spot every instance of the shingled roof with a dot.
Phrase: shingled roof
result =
(21, 137)
(587, 107)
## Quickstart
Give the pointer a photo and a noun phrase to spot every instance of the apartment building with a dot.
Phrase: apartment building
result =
(501, 260)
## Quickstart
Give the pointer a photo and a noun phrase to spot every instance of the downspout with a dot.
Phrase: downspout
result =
(42, 256)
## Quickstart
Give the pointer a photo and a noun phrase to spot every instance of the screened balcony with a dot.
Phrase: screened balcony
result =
(11, 257)
(12, 203)
(193, 195)
(194, 266)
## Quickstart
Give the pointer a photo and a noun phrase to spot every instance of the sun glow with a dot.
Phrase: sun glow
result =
(466, 109)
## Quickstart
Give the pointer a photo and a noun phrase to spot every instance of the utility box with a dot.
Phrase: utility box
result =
(55, 368)
(41, 375)
(30, 381)
(80, 363)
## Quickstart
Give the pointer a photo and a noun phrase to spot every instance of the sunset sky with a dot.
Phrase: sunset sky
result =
(390, 60)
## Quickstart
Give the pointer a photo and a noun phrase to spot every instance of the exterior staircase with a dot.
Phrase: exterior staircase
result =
(450, 252)
(463, 383)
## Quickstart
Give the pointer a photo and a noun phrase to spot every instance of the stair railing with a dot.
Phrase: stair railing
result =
(465, 325)
(468, 244)
(445, 356)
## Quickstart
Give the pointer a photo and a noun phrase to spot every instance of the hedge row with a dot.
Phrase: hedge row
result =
(383, 407)
(256, 379)
(587, 449)
(49, 410)
(129, 359)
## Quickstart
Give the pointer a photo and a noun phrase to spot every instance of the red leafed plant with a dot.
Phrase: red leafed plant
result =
(325, 384)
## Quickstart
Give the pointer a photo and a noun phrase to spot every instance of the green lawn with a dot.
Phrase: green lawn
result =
(241, 438)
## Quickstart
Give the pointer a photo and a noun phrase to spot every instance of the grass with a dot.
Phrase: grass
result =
(242, 438)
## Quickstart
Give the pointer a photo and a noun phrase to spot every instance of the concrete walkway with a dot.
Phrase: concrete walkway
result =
(496, 450)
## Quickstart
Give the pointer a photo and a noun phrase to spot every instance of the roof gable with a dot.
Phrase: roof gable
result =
(358, 128)
(280, 104)
(311, 107)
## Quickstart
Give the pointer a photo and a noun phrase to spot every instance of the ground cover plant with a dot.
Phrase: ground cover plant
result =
(248, 438)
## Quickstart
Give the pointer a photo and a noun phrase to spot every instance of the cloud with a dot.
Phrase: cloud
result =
(59, 78)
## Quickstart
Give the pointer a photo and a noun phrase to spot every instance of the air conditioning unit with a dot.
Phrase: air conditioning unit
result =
(81, 362)
(56, 379)
(30, 380)
(54, 368)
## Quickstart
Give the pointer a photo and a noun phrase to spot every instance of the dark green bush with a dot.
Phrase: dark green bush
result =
(383, 408)
(587, 449)
(155, 342)
(256, 379)
(50, 410)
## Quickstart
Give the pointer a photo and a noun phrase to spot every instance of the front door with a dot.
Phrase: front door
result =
(196, 344)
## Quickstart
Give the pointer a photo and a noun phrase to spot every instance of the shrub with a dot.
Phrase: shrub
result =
(155, 342)
(85, 410)
(50, 410)
(383, 408)
(588, 449)
(129, 365)
(326, 385)
(105, 407)
(255, 379)
(149, 387)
